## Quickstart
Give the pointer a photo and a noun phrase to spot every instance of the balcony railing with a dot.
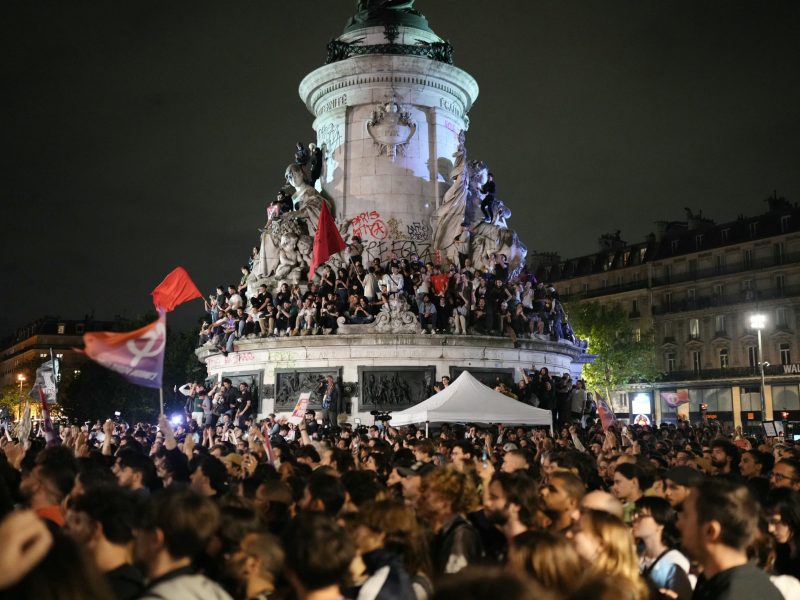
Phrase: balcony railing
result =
(691, 374)
(606, 291)
(744, 297)
(740, 267)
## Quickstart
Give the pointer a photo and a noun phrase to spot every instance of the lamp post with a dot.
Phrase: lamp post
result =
(758, 321)
(21, 380)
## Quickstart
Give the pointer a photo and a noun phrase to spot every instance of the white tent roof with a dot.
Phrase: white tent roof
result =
(467, 400)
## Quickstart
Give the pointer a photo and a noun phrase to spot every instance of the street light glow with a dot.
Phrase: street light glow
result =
(758, 321)
(21, 378)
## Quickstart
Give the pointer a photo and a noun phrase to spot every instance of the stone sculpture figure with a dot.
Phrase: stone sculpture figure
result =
(289, 259)
(307, 201)
(453, 211)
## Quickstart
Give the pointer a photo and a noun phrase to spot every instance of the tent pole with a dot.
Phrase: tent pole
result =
(426, 428)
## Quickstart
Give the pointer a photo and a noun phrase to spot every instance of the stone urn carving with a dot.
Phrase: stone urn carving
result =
(391, 129)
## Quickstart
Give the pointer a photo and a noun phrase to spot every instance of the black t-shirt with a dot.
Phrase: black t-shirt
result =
(746, 582)
(242, 401)
(126, 581)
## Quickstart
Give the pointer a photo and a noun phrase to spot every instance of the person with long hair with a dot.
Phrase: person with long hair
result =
(606, 547)
(447, 495)
(394, 528)
(782, 510)
(548, 558)
(661, 563)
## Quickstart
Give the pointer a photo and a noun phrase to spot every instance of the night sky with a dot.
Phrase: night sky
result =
(141, 135)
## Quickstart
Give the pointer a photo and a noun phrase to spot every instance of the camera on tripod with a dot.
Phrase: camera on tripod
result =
(381, 415)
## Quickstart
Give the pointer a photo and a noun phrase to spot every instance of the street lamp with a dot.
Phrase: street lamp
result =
(21, 380)
(758, 321)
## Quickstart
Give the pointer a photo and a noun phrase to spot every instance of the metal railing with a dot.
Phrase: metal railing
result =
(739, 267)
(744, 297)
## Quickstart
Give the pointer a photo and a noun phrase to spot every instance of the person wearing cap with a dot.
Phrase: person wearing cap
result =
(411, 480)
(233, 462)
(678, 484)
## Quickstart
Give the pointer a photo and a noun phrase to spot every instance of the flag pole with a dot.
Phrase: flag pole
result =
(161, 400)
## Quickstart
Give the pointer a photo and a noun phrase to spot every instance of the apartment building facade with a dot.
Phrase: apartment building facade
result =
(694, 285)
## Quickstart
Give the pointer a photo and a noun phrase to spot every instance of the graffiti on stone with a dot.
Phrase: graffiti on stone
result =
(369, 224)
(330, 137)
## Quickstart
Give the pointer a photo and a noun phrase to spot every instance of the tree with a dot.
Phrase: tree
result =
(622, 356)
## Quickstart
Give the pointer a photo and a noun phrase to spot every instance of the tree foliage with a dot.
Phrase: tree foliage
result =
(621, 357)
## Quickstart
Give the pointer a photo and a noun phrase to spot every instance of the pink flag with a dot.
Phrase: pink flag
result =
(137, 355)
(176, 289)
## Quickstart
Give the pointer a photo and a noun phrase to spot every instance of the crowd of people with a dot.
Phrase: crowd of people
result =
(254, 509)
(452, 299)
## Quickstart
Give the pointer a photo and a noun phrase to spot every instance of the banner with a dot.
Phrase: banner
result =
(300, 408)
(176, 289)
(676, 398)
(137, 355)
(46, 378)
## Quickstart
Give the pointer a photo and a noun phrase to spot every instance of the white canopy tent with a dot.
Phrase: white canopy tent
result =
(467, 400)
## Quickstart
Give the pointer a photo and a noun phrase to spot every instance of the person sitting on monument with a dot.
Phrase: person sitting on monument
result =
(427, 314)
(360, 313)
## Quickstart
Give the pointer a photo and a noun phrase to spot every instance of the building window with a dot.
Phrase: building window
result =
(635, 276)
(674, 246)
(786, 353)
(785, 223)
(747, 284)
(719, 324)
(719, 263)
(778, 252)
(80, 328)
(667, 273)
(697, 360)
(691, 294)
(719, 290)
(59, 355)
(637, 335)
(782, 317)
(604, 283)
(585, 287)
(747, 256)
(635, 307)
(725, 234)
(668, 299)
(752, 356)
(669, 358)
(694, 329)
(698, 241)
(723, 358)
(754, 229)
(61, 328)
(668, 329)
(642, 253)
(43, 355)
(780, 283)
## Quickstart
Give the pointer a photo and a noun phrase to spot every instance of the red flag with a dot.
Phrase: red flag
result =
(136, 355)
(607, 416)
(176, 289)
(327, 241)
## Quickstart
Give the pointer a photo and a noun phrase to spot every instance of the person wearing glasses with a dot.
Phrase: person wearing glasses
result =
(786, 474)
